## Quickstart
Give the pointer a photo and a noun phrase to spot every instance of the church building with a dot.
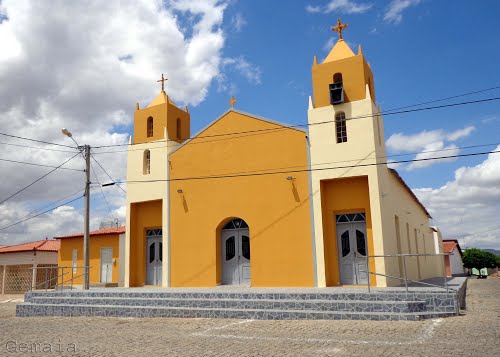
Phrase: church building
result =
(254, 202)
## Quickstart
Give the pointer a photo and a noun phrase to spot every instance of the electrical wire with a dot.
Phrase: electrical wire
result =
(49, 210)
(35, 140)
(113, 180)
(36, 147)
(49, 205)
(322, 122)
(41, 165)
(443, 99)
(40, 178)
(102, 192)
(248, 174)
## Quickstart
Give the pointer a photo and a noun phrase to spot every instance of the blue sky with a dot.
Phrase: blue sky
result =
(436, 51)
(87, 72)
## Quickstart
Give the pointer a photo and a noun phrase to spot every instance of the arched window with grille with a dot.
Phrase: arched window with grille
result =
(341, 127)
(179, 129)
(150, 127)
(146, 169)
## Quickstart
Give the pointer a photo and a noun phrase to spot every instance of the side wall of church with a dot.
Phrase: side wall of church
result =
(406, 230)
(276, 209)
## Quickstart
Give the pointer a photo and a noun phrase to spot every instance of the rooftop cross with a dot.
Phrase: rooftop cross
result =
(339, 28)
(232, 101)
(162, 80)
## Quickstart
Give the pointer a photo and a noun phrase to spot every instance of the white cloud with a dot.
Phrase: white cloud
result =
(400, 142)
(327, 47)
(83, 65)
(243, 67)
(313, 9)
(394, 12)
(428, 144)
(468, 205)
(238, 22)
(431, 152)
(461, 133)
(341, 7)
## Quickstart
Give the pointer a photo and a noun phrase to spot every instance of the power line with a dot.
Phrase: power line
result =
(40, 165)
(247, 174)
(49, 210)
(48, 173)
(36, 147)
(102, 192)
(48, 205)
(322, 122)
(113, 180)
(443, 99)
(35, 140)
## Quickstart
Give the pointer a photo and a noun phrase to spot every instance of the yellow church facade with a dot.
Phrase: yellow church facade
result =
(253, 202)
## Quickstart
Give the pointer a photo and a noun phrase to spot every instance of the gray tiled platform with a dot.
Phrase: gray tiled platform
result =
(249, 303)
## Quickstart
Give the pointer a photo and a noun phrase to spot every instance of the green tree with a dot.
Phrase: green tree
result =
(477, 258)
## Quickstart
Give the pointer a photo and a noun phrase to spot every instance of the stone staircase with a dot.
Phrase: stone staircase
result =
(262, 304)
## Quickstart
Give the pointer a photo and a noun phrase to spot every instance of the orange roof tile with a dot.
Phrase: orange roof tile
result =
(40, 245)
(100, 232)
(449, 245)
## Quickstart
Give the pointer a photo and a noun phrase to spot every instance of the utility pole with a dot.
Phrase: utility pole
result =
(86, 231)
(85, 151)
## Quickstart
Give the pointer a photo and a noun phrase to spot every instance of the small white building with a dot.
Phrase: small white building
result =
(17, 262)
(453, 262)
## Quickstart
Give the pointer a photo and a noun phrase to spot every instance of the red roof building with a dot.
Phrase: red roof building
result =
(115, 230)
(453, 261)
(27, 265)
(44, 245)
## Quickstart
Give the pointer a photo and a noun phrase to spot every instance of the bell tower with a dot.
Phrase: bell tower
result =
(159, 128)
(161, 120)
(346, 143)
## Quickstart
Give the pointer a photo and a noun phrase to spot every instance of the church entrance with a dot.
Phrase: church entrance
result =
(352, 248)
(235, 239)
(154, 256)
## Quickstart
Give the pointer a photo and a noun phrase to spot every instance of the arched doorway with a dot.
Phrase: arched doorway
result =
(235, 244)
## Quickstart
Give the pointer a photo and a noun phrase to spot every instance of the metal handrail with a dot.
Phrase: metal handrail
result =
(61, 284)
(405, 278)
(48, 281)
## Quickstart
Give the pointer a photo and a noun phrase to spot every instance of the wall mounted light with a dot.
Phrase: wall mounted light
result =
(290, 178)
(179, 190)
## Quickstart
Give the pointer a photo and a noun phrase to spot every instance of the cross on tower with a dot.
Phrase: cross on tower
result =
(339, 28)
(232, 101)
(162, 80)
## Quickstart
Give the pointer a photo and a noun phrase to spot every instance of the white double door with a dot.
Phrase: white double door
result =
(154, 259)
(352, 251)
(235, 256)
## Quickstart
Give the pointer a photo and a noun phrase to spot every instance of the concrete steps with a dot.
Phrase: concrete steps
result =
(30, 309)
(260, 304)
(242, 305)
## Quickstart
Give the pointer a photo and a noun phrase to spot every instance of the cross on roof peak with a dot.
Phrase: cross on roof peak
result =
(162, 80)
(232, 101)
(339, 28)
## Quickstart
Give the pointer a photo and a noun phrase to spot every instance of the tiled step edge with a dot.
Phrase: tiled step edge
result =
(318, 305)
(29, 309)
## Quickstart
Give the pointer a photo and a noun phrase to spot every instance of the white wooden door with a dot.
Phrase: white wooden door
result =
(106, 265)
(352, 248)
(244, 258)
(235, 248)
(230, 261)
(154, 257)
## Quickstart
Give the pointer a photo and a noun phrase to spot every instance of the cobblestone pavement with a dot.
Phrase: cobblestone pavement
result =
(476, 333)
